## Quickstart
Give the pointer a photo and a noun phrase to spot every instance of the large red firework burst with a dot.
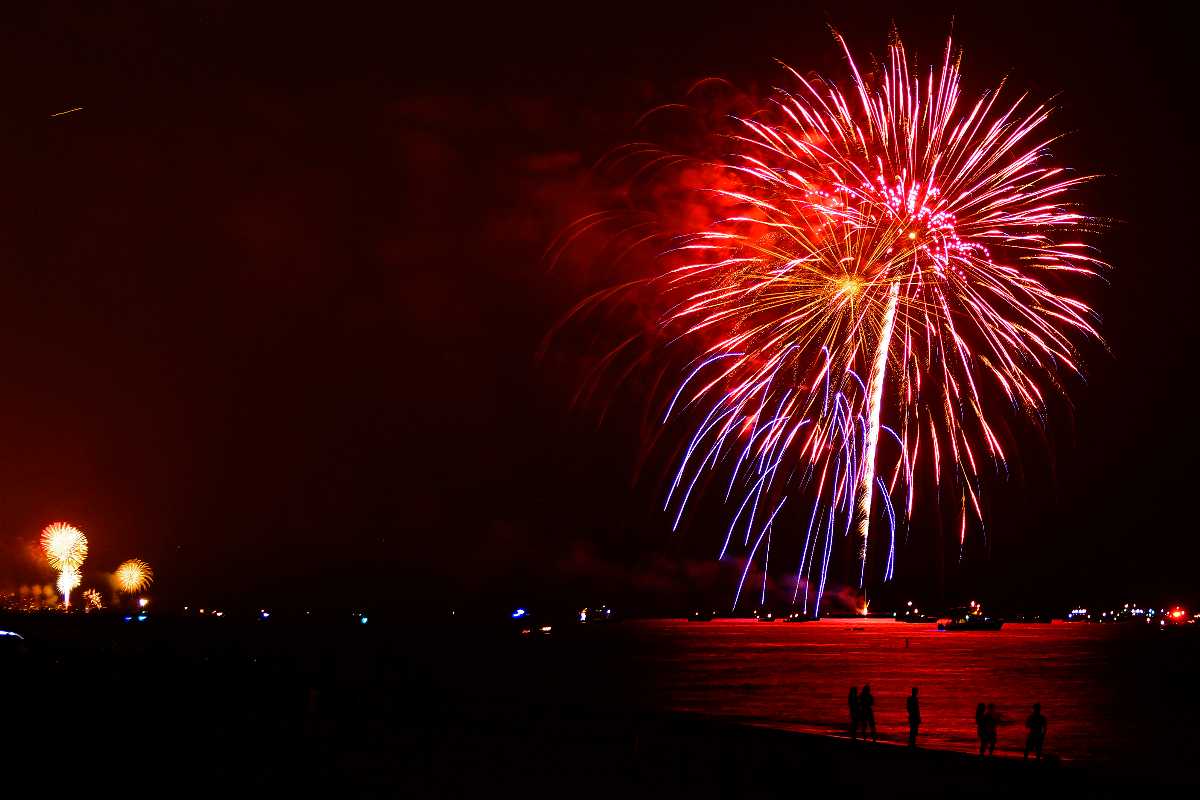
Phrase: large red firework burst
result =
(883, 267)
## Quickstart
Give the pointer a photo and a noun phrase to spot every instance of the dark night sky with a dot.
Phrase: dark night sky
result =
(269, 304)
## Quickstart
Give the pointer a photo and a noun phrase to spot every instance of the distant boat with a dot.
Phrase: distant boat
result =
(1176, 616)
(913, 614)
(700, 615)
(798, 616)
(594, 615)
(969, 618)
(763, 615)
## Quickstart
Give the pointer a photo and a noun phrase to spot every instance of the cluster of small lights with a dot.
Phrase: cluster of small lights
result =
(1133, 612)
(596, 614)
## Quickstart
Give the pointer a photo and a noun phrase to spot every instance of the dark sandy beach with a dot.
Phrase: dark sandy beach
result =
(564, 753)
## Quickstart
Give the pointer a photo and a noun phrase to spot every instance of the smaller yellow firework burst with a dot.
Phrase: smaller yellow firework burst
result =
(133, 575)
(92, 600)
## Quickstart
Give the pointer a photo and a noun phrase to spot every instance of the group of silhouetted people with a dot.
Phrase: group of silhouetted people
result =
(862, 712)
(987, 720)
(862, 720)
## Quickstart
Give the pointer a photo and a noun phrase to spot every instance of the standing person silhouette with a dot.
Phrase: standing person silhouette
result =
(990, 721)
(980, 713)
(866, 705)
(914, 717)
(1037, 731)
(853, 712)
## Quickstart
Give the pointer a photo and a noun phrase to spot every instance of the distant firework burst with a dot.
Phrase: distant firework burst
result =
(133, 575)
(92, 600)
(65, 548)
(870, 275)
(64, 545)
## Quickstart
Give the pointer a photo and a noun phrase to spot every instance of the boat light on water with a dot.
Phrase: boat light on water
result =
(1178, 615)
(913, 614)
(969, 618)
(595, 614)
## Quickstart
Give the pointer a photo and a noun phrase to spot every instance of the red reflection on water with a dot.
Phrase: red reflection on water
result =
(1110, 692)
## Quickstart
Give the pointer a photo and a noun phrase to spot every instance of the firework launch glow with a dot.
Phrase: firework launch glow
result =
(133, 575)
(68, 579)
(884, 270)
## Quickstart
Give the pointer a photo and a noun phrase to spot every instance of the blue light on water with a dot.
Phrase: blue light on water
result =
(362, 620)
(141, 618)
(520, 612)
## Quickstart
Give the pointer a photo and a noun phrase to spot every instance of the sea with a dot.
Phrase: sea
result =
(1112, 694)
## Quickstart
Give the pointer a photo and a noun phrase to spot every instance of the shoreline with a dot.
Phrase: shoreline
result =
(892, 741)
(698, 757)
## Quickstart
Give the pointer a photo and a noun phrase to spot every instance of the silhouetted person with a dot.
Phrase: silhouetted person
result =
(1037, 731)
(990, 721)
(980, 713)
(854, 717)
(866, 712)
(914, 717)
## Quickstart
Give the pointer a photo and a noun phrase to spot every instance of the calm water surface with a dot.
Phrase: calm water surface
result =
(1111, 693)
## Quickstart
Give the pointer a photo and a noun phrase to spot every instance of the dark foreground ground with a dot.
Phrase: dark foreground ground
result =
(337, 708)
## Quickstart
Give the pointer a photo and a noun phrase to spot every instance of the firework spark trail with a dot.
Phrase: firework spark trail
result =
(68, 579)
(866, 481)
(889, 228)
